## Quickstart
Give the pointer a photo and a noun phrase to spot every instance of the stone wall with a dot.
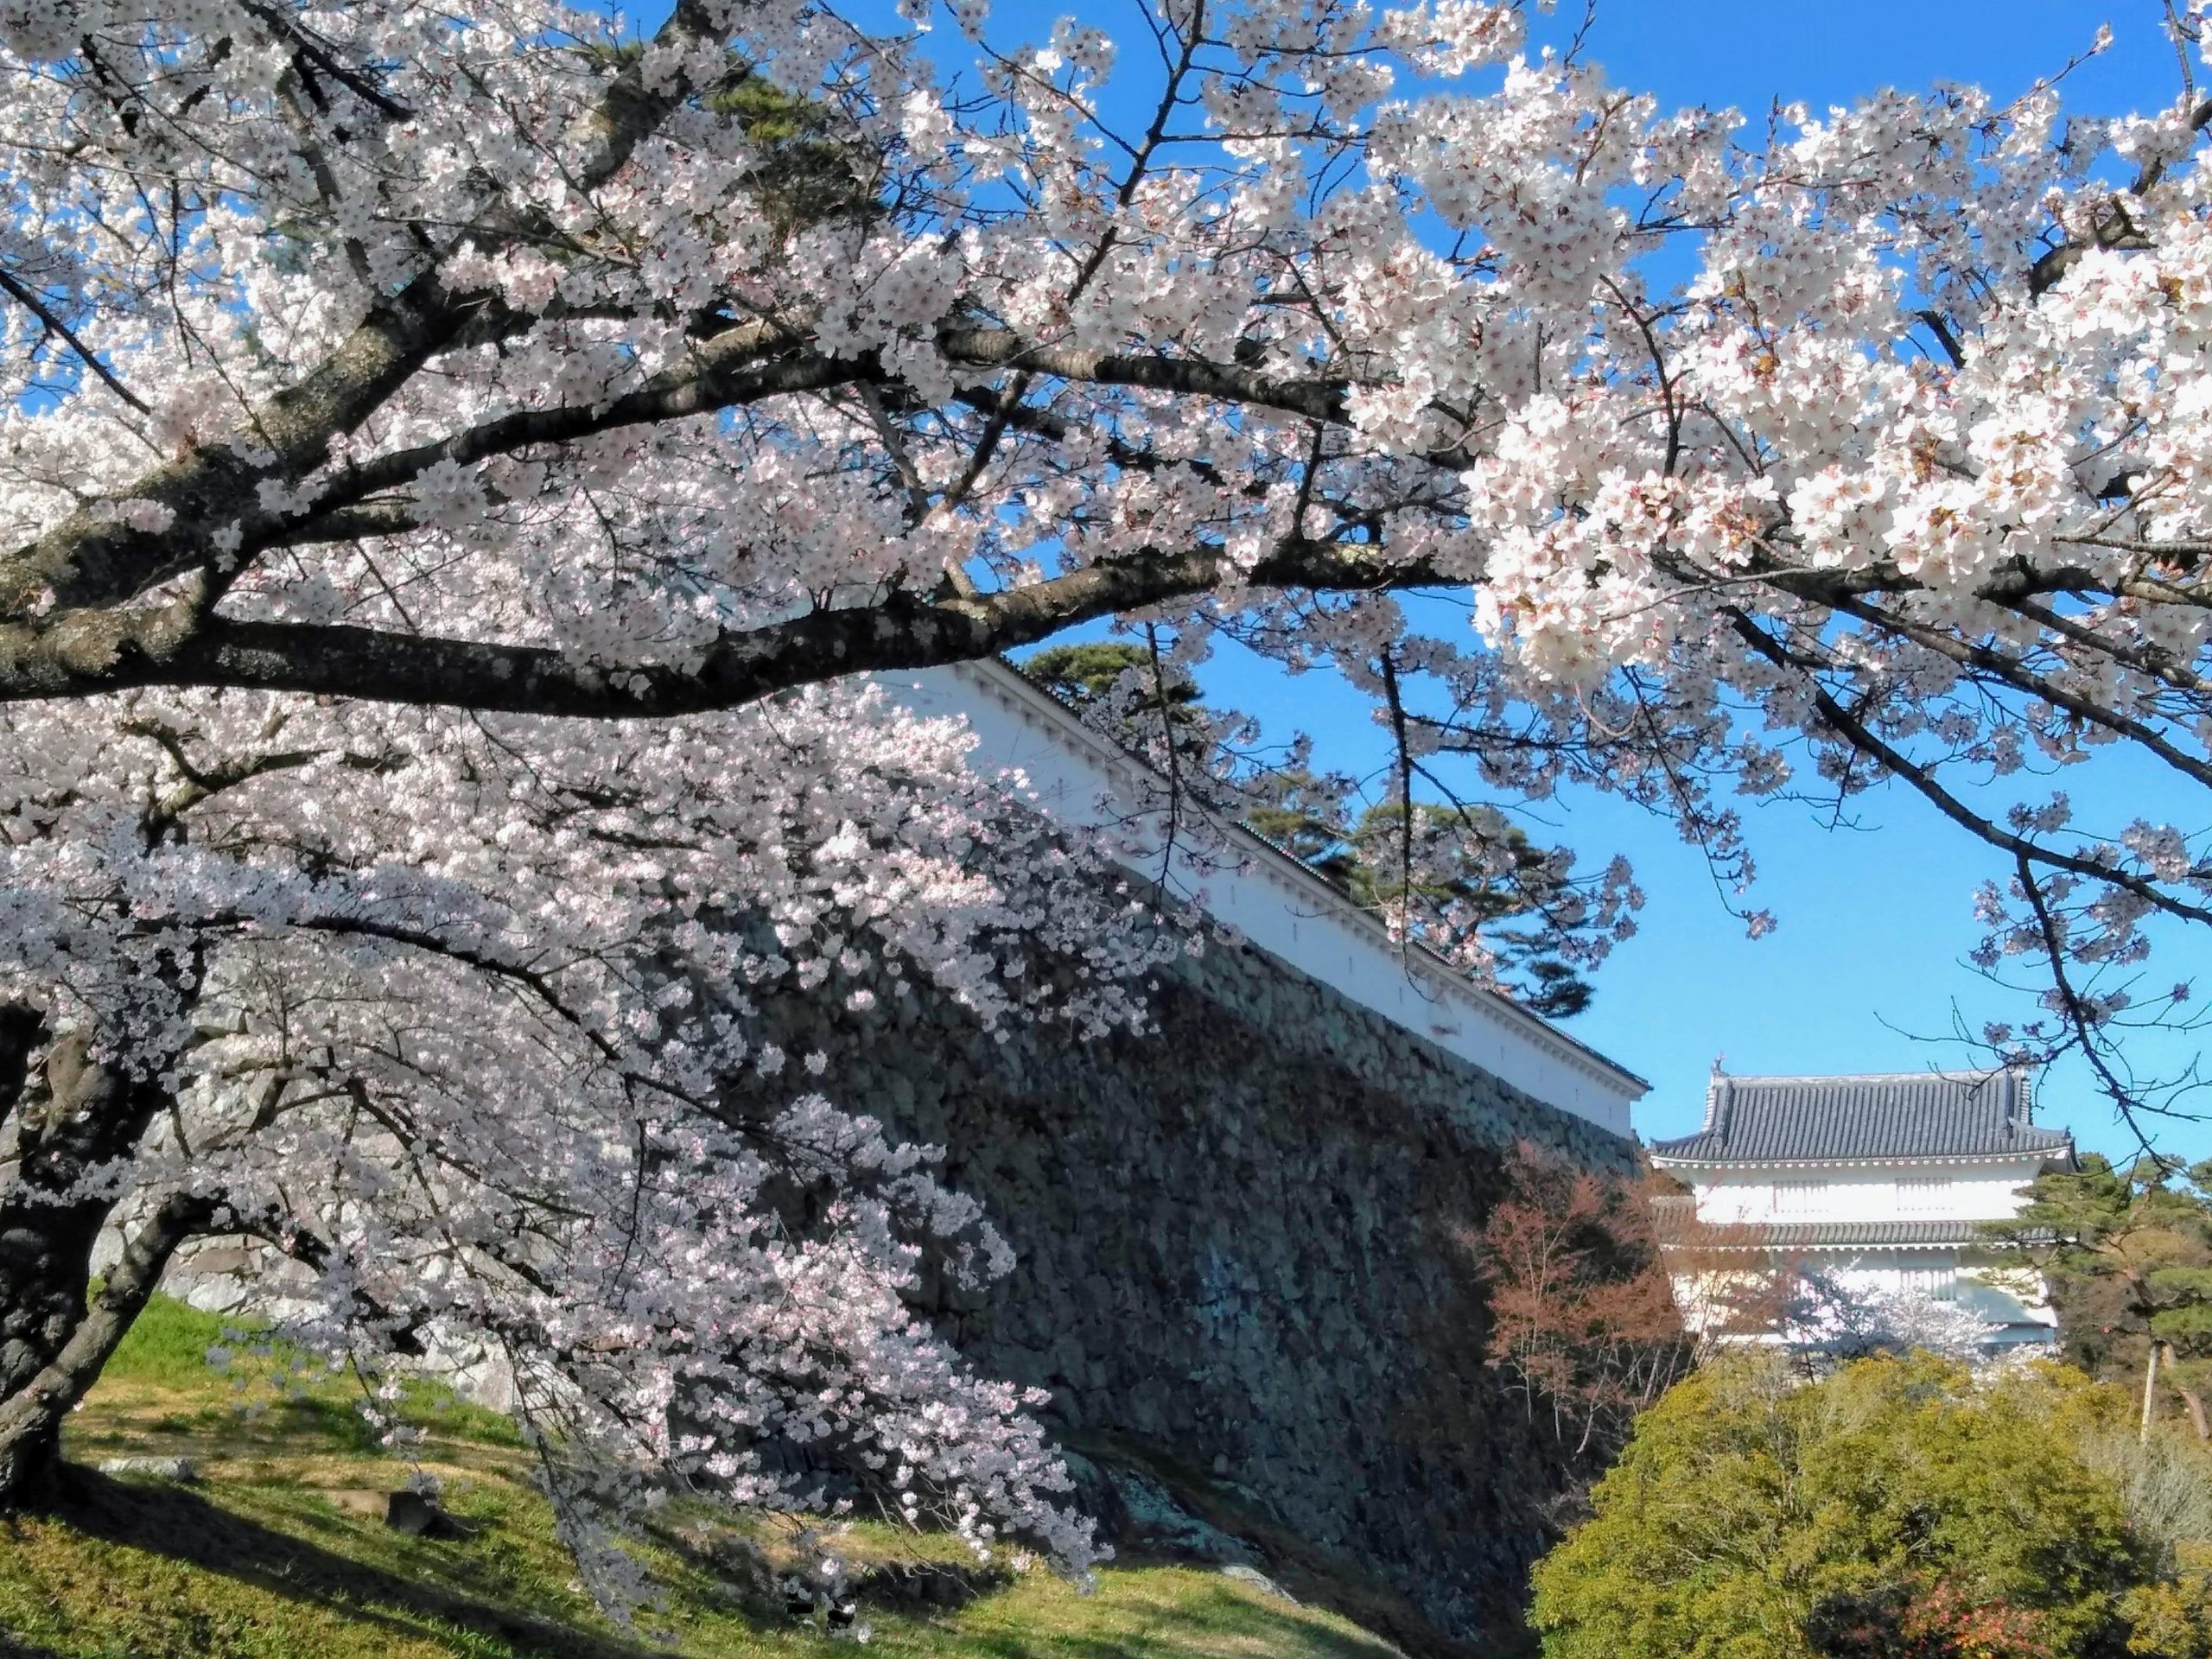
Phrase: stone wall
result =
(1242, 1243)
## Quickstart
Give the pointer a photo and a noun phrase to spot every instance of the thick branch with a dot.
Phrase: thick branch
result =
(725, 373)
(1001, 348)
(899, 634)
(85, 562)
(729, 372)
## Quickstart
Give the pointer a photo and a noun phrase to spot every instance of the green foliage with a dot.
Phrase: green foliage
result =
(2170, 1619)
(1471, 864)
(1087, 674)
(2128, 1257)
(1900, 1508)
(809, 169)
(1083, 673)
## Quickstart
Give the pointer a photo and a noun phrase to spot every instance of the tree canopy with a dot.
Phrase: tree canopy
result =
(2126, 1255)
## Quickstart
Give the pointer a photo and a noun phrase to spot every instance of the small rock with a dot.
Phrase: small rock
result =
(1221, 1463)
(1258, 1581)
(179, 1470)
(419, 1514)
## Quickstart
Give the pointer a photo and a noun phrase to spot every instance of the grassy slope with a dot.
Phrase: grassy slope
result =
(282, 1552)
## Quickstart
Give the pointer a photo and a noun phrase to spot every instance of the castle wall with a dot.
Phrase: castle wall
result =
(1243, 1241)
(1082, 780)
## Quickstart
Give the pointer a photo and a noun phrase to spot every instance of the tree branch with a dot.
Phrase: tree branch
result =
(87, 561)
(30, 301)
(900, 632)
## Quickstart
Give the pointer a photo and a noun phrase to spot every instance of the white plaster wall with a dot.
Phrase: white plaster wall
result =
(1084, 780)
(1987, 1292)
(1969, 1192)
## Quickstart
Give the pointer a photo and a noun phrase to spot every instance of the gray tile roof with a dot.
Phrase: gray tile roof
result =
(1919, 1230)
(1905, 1114)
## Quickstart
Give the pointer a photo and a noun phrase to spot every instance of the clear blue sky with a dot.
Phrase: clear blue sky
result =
(1875, 921)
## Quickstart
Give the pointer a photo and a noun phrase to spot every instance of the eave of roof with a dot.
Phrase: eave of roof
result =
(2027, 1154)
(1918, 1232)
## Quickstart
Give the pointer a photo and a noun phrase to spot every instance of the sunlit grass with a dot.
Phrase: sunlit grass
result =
(280, 1550)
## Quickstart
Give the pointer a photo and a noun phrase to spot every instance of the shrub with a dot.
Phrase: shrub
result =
(1900, 1509)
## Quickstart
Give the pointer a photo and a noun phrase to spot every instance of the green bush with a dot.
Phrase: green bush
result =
(1900, 1509)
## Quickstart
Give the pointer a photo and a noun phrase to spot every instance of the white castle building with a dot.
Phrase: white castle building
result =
(1881, 1184)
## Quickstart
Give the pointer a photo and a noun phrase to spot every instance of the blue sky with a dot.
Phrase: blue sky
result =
(1868, 964)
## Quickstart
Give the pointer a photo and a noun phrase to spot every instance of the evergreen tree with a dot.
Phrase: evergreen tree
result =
(2126, 1255)
(1465, 874)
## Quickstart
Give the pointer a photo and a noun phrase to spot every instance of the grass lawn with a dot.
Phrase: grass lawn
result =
(281, 1551)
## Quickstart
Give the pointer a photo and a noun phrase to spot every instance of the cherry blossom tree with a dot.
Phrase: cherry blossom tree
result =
(443, 445)
(451, 1014)
(1833, 1320)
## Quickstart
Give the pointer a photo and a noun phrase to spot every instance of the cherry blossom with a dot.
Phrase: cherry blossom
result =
(450, 456)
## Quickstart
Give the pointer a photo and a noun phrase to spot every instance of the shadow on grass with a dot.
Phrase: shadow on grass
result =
(300, 1425)
(1316, 1574)
(184, 1526)
(1216, 1621)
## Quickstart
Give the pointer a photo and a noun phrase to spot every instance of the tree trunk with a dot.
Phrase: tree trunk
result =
(2150, 1390)
(31, 1414)
(77, 1117)
(2197, 1421)
(20, 1029)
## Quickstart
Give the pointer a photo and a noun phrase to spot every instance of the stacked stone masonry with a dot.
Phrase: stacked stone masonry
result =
(1243, 1242)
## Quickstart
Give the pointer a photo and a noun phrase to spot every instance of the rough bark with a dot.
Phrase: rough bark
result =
(76, 1116)
(345, 661)
(31, 1414)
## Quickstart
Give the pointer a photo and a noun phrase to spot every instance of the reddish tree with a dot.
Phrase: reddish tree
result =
(1923, 1620)
(1582, 1312)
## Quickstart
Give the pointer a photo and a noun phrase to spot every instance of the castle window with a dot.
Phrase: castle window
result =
(1797, 1198)
(1939, 1283)
(1923, 1195)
